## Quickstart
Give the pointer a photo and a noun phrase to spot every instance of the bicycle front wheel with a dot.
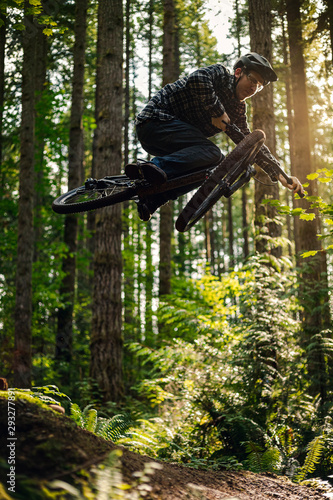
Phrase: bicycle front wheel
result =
(95, 194)
(219, 182)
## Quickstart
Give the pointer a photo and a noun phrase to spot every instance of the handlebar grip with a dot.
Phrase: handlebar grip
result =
(289, 180)
(234, 127)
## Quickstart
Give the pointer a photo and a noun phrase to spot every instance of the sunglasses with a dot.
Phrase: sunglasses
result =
(254, 82)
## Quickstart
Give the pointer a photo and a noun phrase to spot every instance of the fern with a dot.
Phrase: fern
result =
(315, 449)
(50, 394)
(113, 428)
(263, 461)
(77, 415)
(90, 418)
(272, 460)
(110, 429)
(255, 456)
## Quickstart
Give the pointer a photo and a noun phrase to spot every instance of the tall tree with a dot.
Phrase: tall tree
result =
(64, 338)
(25, 240)
(106, 335)
(263, 117)
(313, 274)
(170, 74)
(3, 22)
(40, 88)
(238, 30)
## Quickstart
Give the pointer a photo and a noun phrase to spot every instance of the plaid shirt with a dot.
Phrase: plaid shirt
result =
(195, 99)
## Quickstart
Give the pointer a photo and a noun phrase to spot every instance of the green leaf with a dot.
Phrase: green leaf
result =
(273, 203)
(310, 253)
(324, 179)
(19, 26)
(307, 216)
(311, 177)
(90, 419)
(314, 199)
(297, 211)
(284, 209)
(315, 451)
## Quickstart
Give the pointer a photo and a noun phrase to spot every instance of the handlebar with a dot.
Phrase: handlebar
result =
(276, 165)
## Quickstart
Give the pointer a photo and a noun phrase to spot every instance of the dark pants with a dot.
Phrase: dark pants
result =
(179, 148)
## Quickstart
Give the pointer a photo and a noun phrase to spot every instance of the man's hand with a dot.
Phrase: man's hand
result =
(296, 186)
(218, 123)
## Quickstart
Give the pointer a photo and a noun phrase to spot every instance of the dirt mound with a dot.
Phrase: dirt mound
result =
(49, 445)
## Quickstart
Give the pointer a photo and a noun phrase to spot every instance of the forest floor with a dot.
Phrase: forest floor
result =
(51, 446)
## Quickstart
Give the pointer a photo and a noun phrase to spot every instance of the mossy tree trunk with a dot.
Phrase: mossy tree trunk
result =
(263, 118)
(25, 242)
(106, 335)
(313, 271)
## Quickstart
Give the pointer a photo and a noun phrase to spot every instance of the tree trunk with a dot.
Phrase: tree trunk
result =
(25, 243)
(64, 338)
(39, 194)
(106, 336)
(313, 278)
(263, 118)
(287, 80)
(301, 162)
(170, 67)
(244, 192)
(2, 74)
(128, 254)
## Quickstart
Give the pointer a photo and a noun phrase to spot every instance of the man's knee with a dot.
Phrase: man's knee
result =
(215, 154)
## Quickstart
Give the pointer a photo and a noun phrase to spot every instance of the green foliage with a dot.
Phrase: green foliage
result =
(227, 373)
(111, 429)
(35, 9)
(315, 451)
(317, 204)
(114, 428)
(228, 379)
(105, 480)
(76, 415)
(260, 460)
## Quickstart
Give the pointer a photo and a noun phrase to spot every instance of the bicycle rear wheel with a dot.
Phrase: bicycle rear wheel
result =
(219, 182)
(95, 194)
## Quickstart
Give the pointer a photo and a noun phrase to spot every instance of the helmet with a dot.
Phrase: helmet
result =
(257, 63)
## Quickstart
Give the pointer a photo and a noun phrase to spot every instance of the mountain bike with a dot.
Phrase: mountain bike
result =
(233, 172)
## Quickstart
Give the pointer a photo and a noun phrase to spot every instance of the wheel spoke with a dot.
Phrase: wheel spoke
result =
(94, 194)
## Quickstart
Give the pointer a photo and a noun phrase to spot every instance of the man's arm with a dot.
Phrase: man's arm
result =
(263, 155)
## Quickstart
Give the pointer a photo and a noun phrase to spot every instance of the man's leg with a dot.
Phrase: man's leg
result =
(178, 147)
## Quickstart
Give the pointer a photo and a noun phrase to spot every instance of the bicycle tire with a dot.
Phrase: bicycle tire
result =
(217, 184)
(95, 194)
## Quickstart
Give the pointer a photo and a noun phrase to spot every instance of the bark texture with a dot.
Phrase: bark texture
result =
(25, 243)
(106, 338)
(263, 118)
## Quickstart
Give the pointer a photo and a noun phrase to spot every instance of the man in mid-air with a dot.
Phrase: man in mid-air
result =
(175, 124)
